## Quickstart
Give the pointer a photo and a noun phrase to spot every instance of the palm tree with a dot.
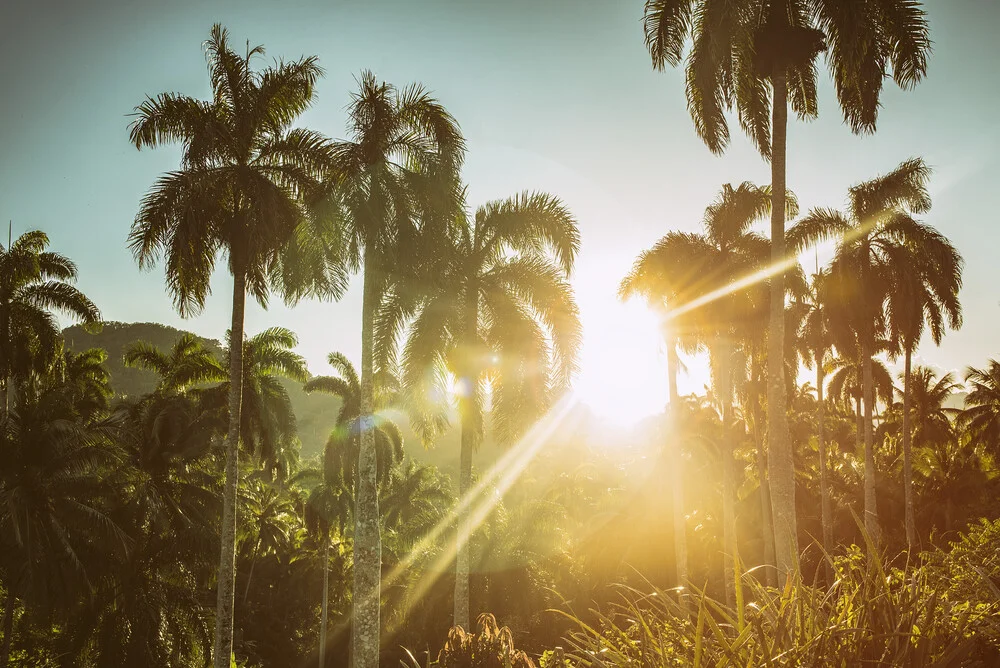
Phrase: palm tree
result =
(268, 428)
(500, 315)
(189, 363)
(269, 521)
(924, 292)
(86, 381)
(877, 239)
(743, 53)
(328, 504)
(667, 276)
(34, 282)
(404, 149)
(846, 386)
(930, 418)
(704, 271)
(816, 350)
(331, 499)
(241, 189)
(981, 416)
(51, 516)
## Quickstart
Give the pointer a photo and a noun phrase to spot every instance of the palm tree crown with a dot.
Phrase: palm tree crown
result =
(33, 283)
(245, 181)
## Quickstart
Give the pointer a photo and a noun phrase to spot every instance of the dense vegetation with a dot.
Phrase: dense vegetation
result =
(171, 500)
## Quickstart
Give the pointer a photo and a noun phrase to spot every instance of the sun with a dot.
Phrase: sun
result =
(623, 375)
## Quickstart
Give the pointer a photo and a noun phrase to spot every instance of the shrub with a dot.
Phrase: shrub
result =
(491, 647)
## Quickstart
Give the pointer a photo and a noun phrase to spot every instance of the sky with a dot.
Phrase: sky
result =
(552, 95)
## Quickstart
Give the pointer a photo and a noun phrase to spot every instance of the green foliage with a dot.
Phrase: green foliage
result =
(968, 575)
(871, 615)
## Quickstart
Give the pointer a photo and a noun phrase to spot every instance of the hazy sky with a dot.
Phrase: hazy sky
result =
(554, 95)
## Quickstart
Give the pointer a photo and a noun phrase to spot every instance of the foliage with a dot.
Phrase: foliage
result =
(873, 614)
(489, 647)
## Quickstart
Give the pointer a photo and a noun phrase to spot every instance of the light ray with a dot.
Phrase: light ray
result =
(760, 275)
(479, 503)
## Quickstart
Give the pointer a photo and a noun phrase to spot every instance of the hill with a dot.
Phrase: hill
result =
(316, 414)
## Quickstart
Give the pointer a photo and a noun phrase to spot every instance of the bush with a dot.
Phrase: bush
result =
(491, 647)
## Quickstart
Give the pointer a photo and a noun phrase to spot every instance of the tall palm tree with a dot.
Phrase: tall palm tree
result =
(501, 317)
(816, 350)
(703, 272)
(241, 189)
(981, 416)
(33, 283)
(337, 485)
(404, 152)
(667, 276)
(327, 507)
(743, 53)
(924, 293)
(876, 239)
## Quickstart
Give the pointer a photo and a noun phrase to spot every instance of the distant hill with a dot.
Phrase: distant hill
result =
(316, 414)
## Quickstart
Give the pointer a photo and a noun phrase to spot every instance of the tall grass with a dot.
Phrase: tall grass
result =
(871, 615)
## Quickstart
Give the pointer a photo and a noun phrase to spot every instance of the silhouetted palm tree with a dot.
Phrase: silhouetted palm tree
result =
(668, 276)
(874, 242)
(33, 283)
(981, 416)
(704, 270)
(846, 386)
(748, 54)
(924, 292)
(242, 188)
(816, 350)
(500, 315)
(404, 150)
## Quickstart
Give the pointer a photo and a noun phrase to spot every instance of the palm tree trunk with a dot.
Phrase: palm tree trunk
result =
(911, 526)
(227, 552)
(367, 541)
(676, 467)
(467, 406)
(859, 429)
(8, 628)
(871, 511)
(326, 601)
(253, 562)
(781, 466)
(826, 513)
(5, 359)
(767, 525)
(462, 560)
(728, 476)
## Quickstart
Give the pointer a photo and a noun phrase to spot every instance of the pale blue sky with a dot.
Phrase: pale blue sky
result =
(554, 95)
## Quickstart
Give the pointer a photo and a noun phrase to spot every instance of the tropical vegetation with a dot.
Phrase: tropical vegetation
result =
(829, 499)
